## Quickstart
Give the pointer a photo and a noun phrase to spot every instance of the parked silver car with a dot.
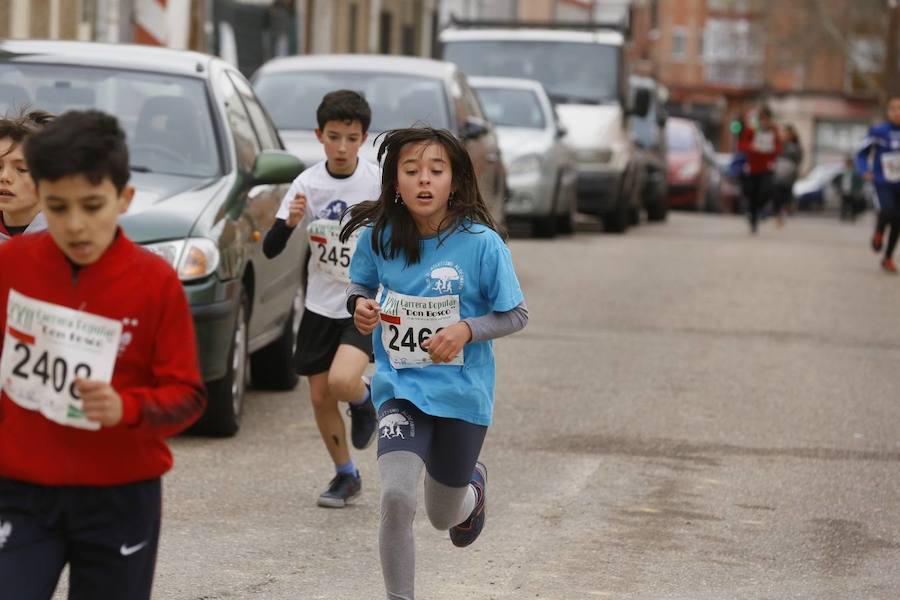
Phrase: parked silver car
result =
(402, 92)
(541, 172)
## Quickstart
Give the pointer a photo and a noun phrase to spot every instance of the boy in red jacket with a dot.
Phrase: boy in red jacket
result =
(98, 365)
(761, 145)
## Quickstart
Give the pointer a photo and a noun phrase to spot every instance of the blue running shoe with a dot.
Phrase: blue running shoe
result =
(468, 531)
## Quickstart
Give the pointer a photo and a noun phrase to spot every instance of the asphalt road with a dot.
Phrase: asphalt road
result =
(692, 413)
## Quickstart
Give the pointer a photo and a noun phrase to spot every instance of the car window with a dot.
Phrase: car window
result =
(680, 137)
(246, 144)
(397, 100)
(470, 100)
(512, 107)
(166, 118)
(268, 137)
(570, 71)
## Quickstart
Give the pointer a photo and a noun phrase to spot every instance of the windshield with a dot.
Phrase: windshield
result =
(680, 137)
(166, 118)
(572, 72)
(397, 100)
(512, 108)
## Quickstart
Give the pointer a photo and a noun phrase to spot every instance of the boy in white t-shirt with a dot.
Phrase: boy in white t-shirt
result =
(330, 352)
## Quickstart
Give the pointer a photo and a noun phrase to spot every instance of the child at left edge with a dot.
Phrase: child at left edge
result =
(82, 485)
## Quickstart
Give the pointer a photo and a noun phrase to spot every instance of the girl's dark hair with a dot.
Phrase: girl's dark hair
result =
(466, 208)
(22, 124)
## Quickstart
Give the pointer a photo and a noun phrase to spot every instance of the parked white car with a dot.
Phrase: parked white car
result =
(541, 172)
(584, 70)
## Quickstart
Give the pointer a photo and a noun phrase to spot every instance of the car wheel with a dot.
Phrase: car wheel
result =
(566, 223)
(272, 367)
(617, 220)
(544, 227)
(657, 210)
(226, 395)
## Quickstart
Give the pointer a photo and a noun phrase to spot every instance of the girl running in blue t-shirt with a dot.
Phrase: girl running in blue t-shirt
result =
(445, 287)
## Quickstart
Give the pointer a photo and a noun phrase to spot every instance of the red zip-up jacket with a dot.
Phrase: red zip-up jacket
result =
(761, 147)
(156, 371)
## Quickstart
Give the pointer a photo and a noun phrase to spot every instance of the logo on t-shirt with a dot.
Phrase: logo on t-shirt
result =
(393, 425)
(333, 211)
(446, 278)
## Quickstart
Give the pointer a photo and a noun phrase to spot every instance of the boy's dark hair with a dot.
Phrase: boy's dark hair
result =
(467, 205)
(88, 143)
(22, 124)
(344, 105)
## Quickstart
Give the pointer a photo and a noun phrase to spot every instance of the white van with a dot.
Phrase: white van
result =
(583, 69)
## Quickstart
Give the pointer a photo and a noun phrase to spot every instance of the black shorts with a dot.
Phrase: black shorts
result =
(107, 535)
(318, 340)
(448, 447)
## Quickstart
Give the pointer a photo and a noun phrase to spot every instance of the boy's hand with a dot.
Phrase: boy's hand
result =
(446, 344)
(365, 317)
(100, 402)
(296, 210)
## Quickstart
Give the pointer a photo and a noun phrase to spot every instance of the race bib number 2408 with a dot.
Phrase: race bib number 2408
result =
(45, 348)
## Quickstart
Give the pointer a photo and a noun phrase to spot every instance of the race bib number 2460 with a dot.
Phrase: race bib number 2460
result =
(45, 348)
(407, 321)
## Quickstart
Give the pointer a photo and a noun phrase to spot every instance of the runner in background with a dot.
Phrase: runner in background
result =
(99, 365)
(448, 288)
(330, 352)
(761, 145)
(20, 211)
(879, 162)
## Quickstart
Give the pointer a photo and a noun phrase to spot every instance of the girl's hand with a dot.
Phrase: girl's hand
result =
(446, 344)
(100, 402)
(365, 317)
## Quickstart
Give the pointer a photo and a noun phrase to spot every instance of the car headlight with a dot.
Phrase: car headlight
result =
(594, 155)
(689, 170)
(524, 165)
(193, 258)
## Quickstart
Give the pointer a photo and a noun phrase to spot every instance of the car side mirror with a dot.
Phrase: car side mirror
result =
(473, 129)
(641, 105)
(561, 131)
(275, 166)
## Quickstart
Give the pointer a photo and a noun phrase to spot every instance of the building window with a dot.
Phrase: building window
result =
(352, 28)
(408, 40)
(679, 43)
(386, 25)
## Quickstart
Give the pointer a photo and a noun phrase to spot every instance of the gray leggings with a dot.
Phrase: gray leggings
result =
(446, 506)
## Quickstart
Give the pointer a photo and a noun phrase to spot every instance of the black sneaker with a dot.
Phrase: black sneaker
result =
(362, 422)
(343, 487)
(468, 531)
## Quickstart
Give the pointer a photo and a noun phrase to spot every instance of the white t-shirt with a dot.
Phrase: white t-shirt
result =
(326, 199)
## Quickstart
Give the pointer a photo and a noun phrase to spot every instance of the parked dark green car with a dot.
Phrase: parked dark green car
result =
(210, 171)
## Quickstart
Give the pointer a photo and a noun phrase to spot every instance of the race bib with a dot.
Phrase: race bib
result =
(407, 321)
(764, 142)
(330, 255)
(45, 347)
(890, 166)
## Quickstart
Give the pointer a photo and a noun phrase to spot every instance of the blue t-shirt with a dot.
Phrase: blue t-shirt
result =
(883, 139)
(474, 264)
